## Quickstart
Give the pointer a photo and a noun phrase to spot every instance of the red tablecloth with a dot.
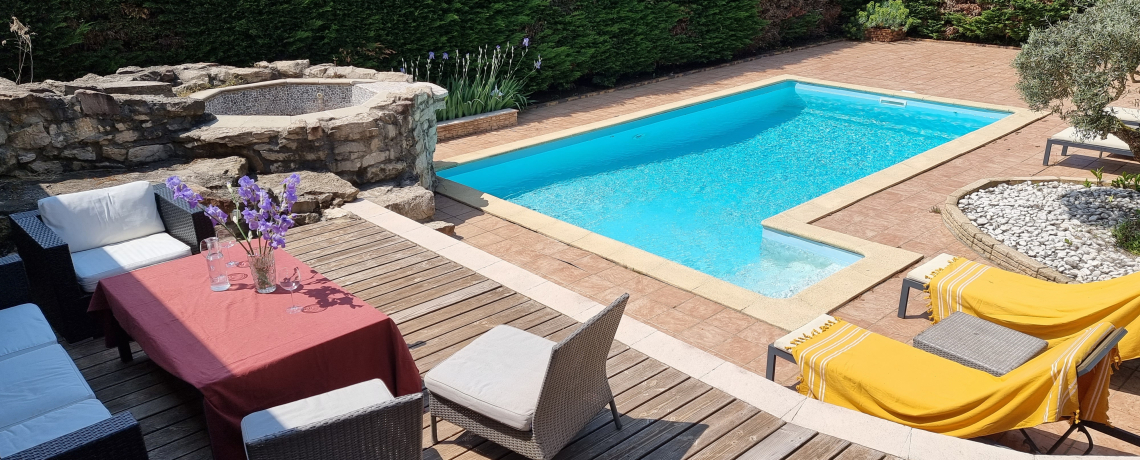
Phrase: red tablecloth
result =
(242, 350)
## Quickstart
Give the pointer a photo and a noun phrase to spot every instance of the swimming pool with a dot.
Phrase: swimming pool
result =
(693, 185)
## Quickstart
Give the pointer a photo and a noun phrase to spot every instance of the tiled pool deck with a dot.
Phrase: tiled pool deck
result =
(899, 216)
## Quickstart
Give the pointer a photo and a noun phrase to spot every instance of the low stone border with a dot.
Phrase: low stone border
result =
(475, 124)
(987, 246)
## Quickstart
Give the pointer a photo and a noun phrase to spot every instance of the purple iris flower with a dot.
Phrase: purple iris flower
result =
(216, 215)
(182, 191)
(538, 64)
(445, 56)
(431, 55)
(526, 42)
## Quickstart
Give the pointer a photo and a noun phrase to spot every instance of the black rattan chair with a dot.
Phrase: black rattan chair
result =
(116, 438)
(14, 289)
(52, 276)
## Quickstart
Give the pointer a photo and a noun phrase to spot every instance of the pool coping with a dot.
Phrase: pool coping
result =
(879, 263)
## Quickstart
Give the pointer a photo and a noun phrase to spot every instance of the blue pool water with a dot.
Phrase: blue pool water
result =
(692, 185)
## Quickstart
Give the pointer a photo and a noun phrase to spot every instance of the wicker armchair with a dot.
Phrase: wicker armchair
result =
(570, 389)
(14, 290)
(49, 264)
(358, 422)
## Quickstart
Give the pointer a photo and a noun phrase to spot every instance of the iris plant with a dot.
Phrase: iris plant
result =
(267, 217)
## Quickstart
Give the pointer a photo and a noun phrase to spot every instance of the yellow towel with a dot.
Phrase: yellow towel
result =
(1050, 311)
(851, 367)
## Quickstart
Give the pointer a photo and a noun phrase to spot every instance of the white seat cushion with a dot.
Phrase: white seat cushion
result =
(1125, 114)
(811, 328)
(922, 272)
(22, 328)
(311, 410)
(95, 218)
(93, 265)
(1093, 142)
(499, 375)
(38, 381)
(51, 425)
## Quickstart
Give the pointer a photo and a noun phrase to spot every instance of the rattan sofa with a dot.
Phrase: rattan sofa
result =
(49, 260)
(61, 422)
(524, 392)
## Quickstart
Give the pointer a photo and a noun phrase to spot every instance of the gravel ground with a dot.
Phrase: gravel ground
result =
(1065, 226)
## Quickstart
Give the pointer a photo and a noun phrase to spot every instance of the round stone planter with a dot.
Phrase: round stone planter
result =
(1001, 255)
(882, 34)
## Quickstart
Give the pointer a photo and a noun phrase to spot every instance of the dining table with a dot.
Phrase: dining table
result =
(246, 351)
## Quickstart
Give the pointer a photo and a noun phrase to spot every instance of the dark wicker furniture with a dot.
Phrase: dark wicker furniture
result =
(14, 288)
(116, 438)
(48, 261)
(391, 430)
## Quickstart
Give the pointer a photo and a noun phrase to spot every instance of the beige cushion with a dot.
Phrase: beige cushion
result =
(809, 329)
(23, 328)
(95, 218)
(499, 375)
(922, 273)
(311, 410)
(1125, 114)
(93, 265)
(1092, 141)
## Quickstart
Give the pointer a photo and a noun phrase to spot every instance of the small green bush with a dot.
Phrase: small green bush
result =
(489, 80)
(892, 14)
(1127, 235)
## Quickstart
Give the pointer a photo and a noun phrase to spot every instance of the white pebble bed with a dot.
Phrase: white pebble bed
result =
(1065, 226)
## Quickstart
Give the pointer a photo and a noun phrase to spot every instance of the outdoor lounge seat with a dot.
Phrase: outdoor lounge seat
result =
(47, 409)
(72, 241)
(919, 277)
(1071, 138)
(525, 392)
(1127, 115)
(361, 421)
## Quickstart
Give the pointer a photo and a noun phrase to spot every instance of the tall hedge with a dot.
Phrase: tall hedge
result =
(579, 40)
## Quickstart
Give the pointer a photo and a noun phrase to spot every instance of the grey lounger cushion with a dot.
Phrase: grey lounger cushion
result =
(22, 328)
(498, 375)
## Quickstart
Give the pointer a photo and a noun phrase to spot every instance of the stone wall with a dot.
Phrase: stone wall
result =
(133, 117)
(476, 124)
(45, 132)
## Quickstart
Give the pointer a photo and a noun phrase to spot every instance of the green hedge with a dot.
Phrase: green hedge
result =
(596, 40)
(1002, 22)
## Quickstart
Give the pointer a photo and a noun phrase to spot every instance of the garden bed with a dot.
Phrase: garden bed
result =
(1053, 229)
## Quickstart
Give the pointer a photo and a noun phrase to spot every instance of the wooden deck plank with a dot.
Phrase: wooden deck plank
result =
(318, 227)
(406, 281)
(820, 446)
(857, 452)
(379, 246)
(174, 432)
(180, 447)
(729, 439)
(669, 426)
(319, 237)
(779, 444)
(170, 416)
(439, 303)
(460, 314)
(422, 290)
(371, 265)
(347, 247)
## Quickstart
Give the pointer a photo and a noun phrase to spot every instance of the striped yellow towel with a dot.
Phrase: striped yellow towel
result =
(848, 366)
(1049, 311)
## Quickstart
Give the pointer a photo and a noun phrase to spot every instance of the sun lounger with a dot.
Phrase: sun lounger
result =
(1125, 114)
(845, 365)
(1071, 138)
(917, 278)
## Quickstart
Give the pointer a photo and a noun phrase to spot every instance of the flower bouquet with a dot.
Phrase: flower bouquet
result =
(260, 217)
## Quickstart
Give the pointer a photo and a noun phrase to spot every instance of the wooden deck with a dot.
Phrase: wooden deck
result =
(441, 306)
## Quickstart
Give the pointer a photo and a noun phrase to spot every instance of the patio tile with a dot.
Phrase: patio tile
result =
(731, 320)
(673, 321)
(740, 351)
(704, 336)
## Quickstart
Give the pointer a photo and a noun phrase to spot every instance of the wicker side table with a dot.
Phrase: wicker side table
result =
(979, 344)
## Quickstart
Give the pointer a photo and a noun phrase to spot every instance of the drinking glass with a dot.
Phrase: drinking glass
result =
(215, 264)
(292, 283)
(226, 240)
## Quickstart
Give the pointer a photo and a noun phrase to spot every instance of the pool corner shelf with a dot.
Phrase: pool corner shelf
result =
(717, 194)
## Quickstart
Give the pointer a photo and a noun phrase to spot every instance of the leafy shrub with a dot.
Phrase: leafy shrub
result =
(1127, 235)
(487, 81)
(891, 14)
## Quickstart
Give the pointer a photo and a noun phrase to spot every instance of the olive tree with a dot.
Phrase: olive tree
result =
(1078, 67)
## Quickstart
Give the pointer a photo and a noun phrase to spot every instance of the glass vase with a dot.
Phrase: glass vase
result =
(264, 271)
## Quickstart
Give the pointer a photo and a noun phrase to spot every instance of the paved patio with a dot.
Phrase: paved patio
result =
(900, 216)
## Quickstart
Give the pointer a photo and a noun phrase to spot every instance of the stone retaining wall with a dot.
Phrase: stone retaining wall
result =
(1001, 255)
(476, 124)
(386, 133)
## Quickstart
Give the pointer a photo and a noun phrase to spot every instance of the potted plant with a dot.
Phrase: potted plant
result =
(260, 217)
(885, 22)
